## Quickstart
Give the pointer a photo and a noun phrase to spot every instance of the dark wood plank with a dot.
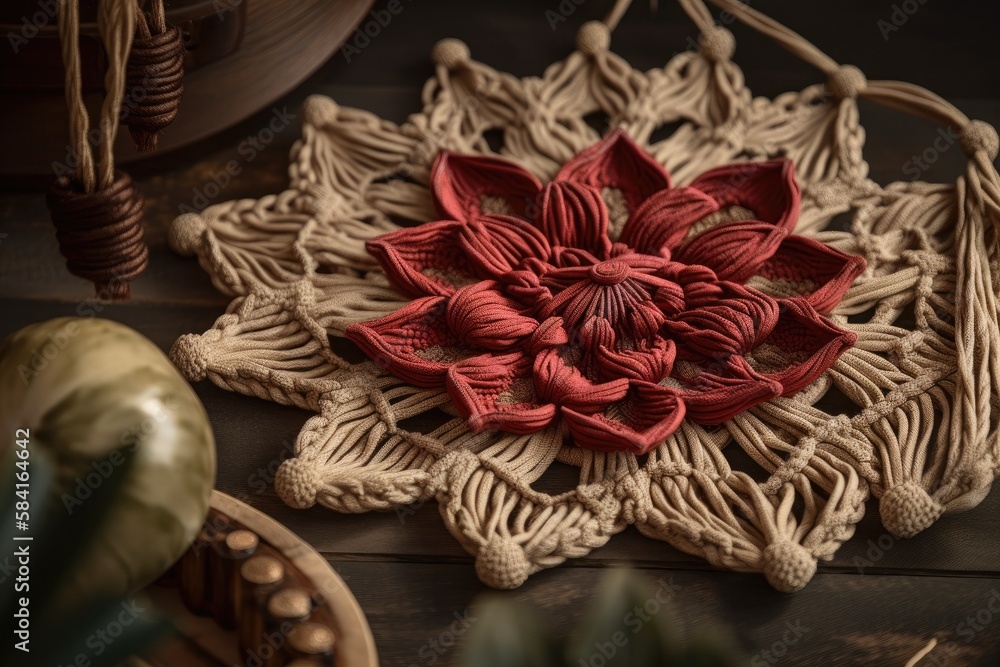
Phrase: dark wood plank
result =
(839, 619)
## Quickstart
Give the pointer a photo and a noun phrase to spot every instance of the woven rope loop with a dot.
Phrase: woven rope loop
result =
(594, 37)
(980, 136)
(100, 233)
(154, 82)
(847, 82)
(906, 510)
(502, 564)
(717, 44)
(788, 566)
(451, 54)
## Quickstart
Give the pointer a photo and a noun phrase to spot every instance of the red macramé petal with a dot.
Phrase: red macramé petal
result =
(524, 286)
(617, 162)
(650, 361)
(549, 334)
(436, 258)
(395, 341)
(425, 260)
(808, 341)
(663, 220)
(496, 392)
(481, 316)
(734, 250)
(723, 319)
(497, 244)
(637, 424)
(813, 270)
(558, 382)
(574, 216)
(769, 189)
(459, 183)
(725, 390)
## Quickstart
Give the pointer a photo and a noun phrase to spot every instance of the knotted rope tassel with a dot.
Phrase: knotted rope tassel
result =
(154, 78)
(98, 212)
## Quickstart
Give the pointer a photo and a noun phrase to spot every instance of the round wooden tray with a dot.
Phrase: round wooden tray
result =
(203, 643)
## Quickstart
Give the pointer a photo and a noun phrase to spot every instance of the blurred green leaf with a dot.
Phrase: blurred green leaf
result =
(630, 622)
(61, 540)
(66, 538)
(105, 632)
(507, 633)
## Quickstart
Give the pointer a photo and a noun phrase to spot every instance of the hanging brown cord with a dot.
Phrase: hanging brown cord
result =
(98, 212)
(154, 78)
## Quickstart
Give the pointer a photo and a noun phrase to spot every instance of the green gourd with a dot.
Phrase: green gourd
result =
(85, 395)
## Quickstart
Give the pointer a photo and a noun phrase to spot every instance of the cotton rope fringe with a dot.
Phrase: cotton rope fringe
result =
(909, 412)
(97, 211)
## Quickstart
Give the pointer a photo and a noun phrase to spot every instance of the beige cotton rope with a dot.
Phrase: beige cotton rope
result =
(909, 413)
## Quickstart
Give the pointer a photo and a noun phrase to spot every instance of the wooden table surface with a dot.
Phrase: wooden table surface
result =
(877, 603)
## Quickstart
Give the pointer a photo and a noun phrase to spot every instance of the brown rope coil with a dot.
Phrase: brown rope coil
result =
(100, 233)
(154, 82)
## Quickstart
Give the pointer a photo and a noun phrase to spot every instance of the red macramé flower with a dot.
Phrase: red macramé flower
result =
(609, 298)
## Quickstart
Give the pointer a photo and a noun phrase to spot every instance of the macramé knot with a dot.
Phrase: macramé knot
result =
(190, 354)
(906, 509)
(979, 136)
(154, 81)
(788, 566)
(185, 232)
(717, 44)
(846, 82)
(502, 563)
(100, 233)
(594, 37)
(451, 54)
(297, 483)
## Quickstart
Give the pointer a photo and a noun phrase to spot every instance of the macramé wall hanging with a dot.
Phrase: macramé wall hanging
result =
(638, 310)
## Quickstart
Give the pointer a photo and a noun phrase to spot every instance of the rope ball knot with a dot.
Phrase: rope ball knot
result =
(100, 233)
(185, 233)
(788, 566)
(980, 136)
(846, 82)
(297, 483)
(502, 563)
(451, 54)
(154, 82)
(190, 354)
(906, 509)
(717, 44)
(594, 37)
